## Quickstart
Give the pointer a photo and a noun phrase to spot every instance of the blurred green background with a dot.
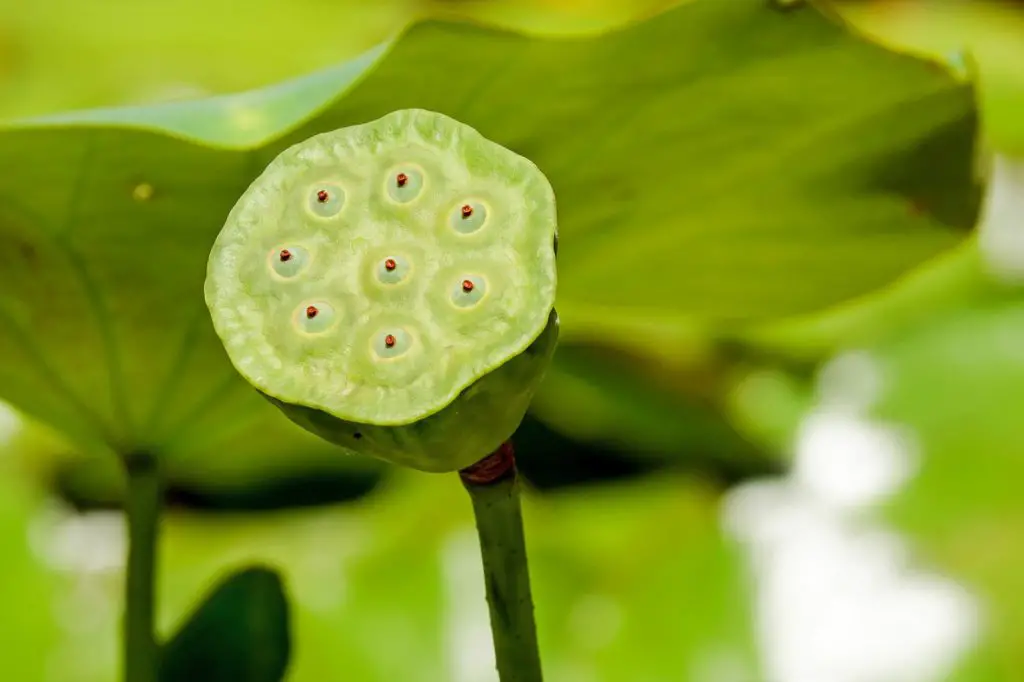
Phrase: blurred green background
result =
(751, 193)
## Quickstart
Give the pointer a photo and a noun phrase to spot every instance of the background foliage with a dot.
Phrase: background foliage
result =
(745, 191)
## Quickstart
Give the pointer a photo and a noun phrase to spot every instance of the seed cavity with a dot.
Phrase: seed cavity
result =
(288, 261)
(391, 343)
(326, 200)
(468, 217)
(469, 291)
(393, 269)
(316, 317)
(405, 183)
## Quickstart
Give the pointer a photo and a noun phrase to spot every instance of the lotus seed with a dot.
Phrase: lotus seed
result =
(392, 270)
(469, 291)
(391, 344)
(469, 217)
(316, 318)
(289, 261)
(327, 201)
(407, 185)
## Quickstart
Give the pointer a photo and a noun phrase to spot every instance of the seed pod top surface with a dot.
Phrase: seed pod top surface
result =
(374, 272)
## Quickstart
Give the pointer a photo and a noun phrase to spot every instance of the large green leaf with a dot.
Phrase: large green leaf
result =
(982, 38)
(720, 164)
(239, 633)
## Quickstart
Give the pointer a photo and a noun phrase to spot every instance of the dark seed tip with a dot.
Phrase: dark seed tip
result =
(390, 264)
(286, 255)
(467, 285)
(401, 179)
(389, 341)
(322, 196)
(467, 211)
(311, 311)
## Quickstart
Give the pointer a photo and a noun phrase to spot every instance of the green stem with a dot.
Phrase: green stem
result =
(494, 490)
(142, 507)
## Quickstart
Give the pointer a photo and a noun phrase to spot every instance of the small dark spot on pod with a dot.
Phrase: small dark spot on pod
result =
(390, 264)
(311, 311)
(390, 340)
(322, 196)
(401, 179)
(467, 285)
(467, 210)
(285, 255)
(357, 435)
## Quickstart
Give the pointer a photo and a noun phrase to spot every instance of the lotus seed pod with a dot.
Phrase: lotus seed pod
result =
(390, 287)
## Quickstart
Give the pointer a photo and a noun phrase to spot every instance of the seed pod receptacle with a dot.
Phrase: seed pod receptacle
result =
(390, 287)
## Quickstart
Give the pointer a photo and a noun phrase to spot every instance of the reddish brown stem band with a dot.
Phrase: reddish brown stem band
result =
(492, 468)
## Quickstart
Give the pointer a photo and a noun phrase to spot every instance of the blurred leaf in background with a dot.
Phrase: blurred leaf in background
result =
(60, 54)
(239, 633)
(980, 38)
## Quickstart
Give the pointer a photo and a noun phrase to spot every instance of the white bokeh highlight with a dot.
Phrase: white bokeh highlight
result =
(838, 596)
(469, 650)
(1001, 232)
(866, 463)
(10, 424)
